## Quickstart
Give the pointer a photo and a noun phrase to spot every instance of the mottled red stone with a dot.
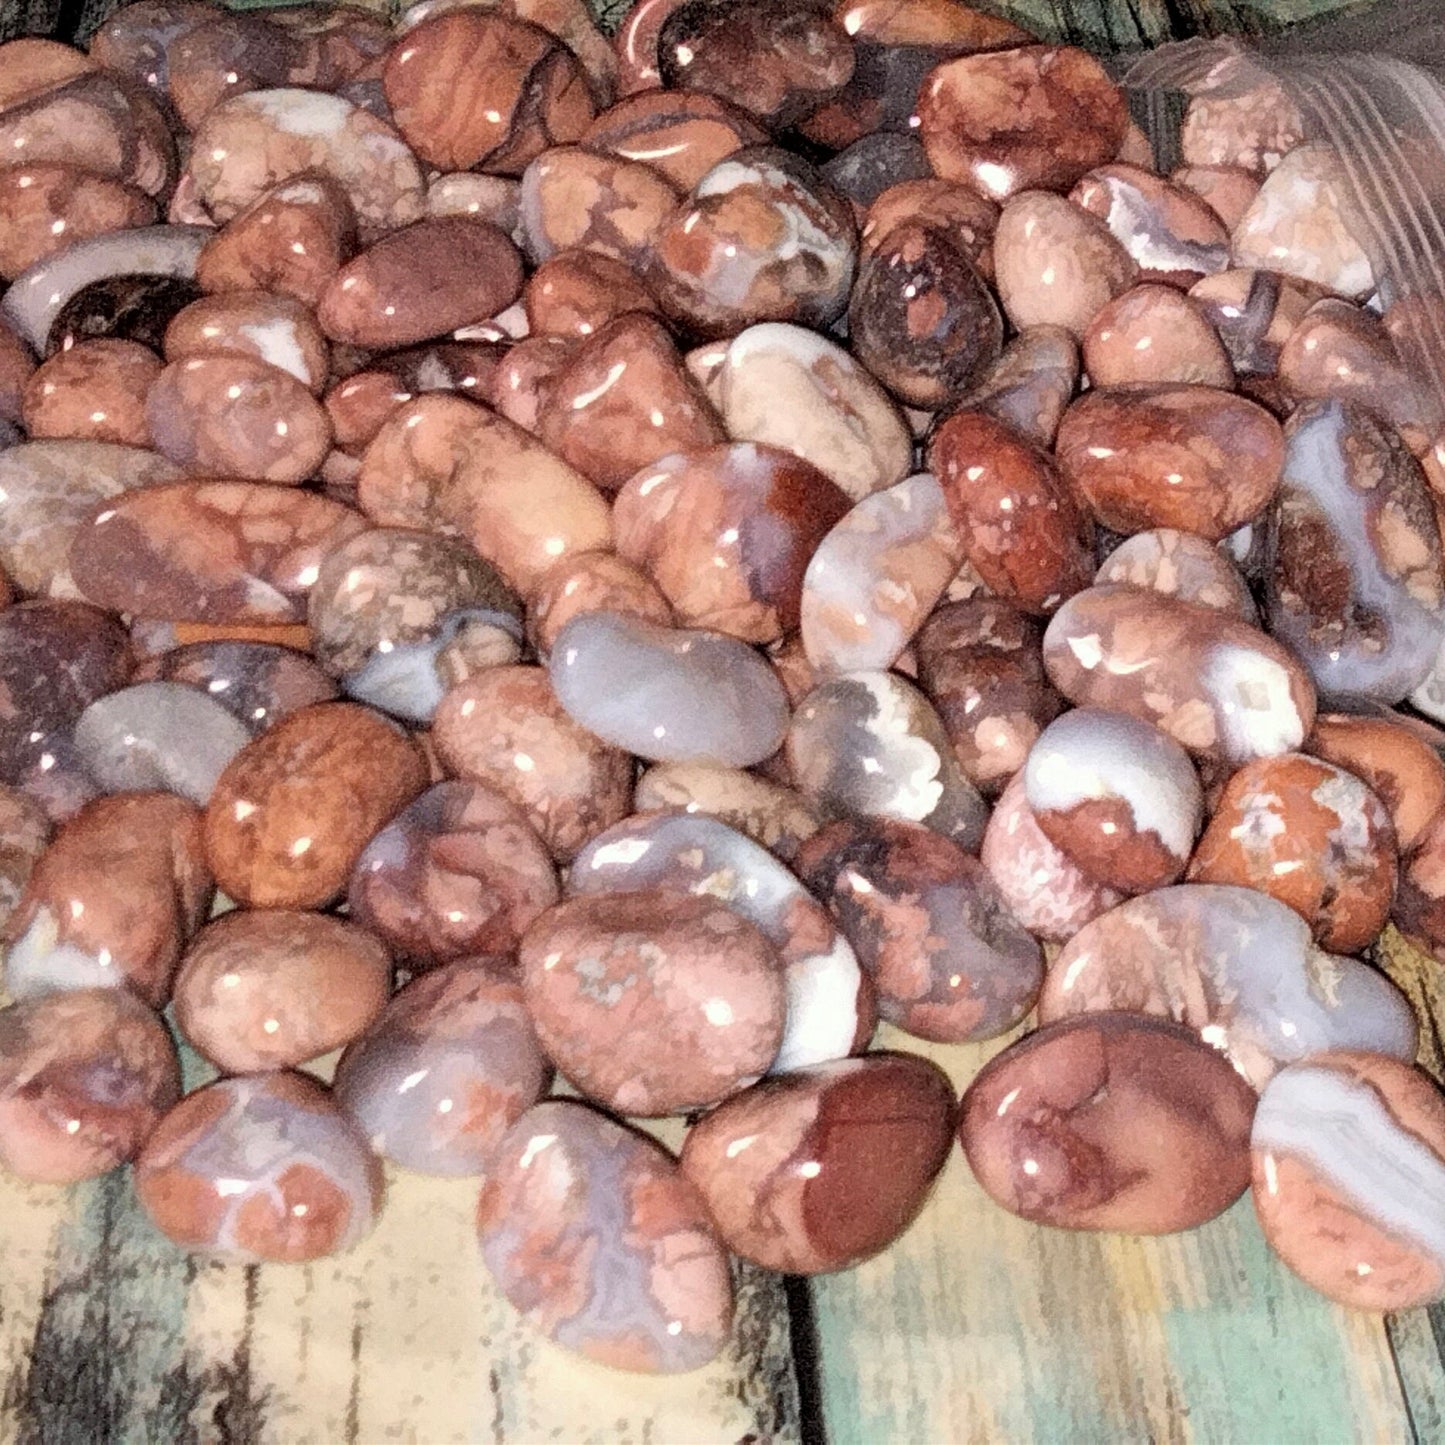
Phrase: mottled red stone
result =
(576, 293)
(681, 133)
(95, 391)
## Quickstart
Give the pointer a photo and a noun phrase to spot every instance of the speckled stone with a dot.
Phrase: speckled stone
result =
(643, 1280)
(1348, 1152)
(95, 391)
(703, 989)
(1253, 130)
(826, 1167)
(84, 1079)
(294, 809)
(506, 728)
(1182, 565)
(777, 817)
(265, 989)
(1239, 967)
(259, 683)
(1053, 1127)
(47, 207)
(113, 901)
(257, 1169)
(448, 1066)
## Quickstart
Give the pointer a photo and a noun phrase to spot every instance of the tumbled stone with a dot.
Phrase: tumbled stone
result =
(792, 388)
(948, 960)
(518, 387)
(113, 901)
(313, 1190)
(1153, 334)
(134, 40)
(1010, 120)
(16, 367)
(1419, 910)
(870, 744)
(399, 616)
(830, 1006)
(24, 836)
(777, 817)
(1012, 510)
(1051, 1127)
(232, 54)
(1356, 587)
(681, 133)
(422, 281)
(270, 326)
(264, 989)
(703, 989)
(293, 238)
(293, 810)
(577, 293)
(46, 207)
(248, 144)
(921, 318)
(1253, 130)
(1030, 384)
(622, 400)
(693, 696)
(875, 577)
(95, 391)
(820, 1169)
(980, 665)
(140, 277)
(1217, 455)
(1254, 313)
(928, 22)
(161, 735)
(84, 1079)
(458, 871)
(259, 683)
(1236, 965)
(726, 533)
(469, 89)
(1044, 889)
(762, 237)
(1298, 225)
(591, 582)
(497, 199)
(1228, 191)
(1056, 265)
(506, 728)
(1182, 565)
(447, 1067)
(642, 1280)
(1349, 1150)
(1311, 835)
(209, 551)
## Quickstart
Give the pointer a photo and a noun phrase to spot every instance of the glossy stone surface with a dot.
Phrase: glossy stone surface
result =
(268, 325)
(470, 90)
(1153, 334)
(792, 388)
(830, 1007)
(641, 1281)
(819, 1170)
(1041, 115)
(446, 1068)
(258, 683)
(1239, 967)
(870, 743)
(295, 807)
(694, 696)
(259, 1169)
(1357, 588)
(506, 728)
(24, 835)
(979, 664)
(762, 237)
(1217, 455)
(1213, 683)
(292, 238)
(265, 989)
(113, 901)
(948, 960)
(134, 308)
(1030, 384)
(1254, 313)
(1313, 836)
(1044, 889)
(223, 552)
(921, 318)
(1119, 797)
(1111, 1122)
(1013, 512)
(1182, 565)
(96, 391)
(726, 533)
(1253, 130)
(875, 577)
(400, 615)
(680, 133)
(1349, 1153)
(622, 400)
(47, 207)
(247, 144)
(777, 817)
(17, 364)
(591, 582)
(84, 1079)
(653, 1002)
(576, 293)
(1055, 264)
(161, 735)
(458, 871)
